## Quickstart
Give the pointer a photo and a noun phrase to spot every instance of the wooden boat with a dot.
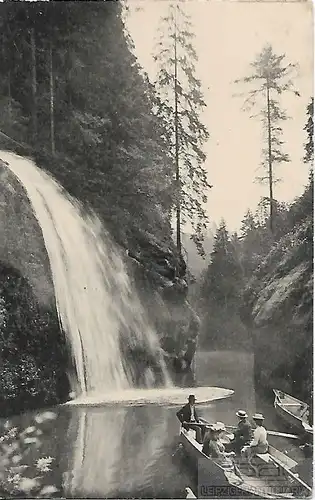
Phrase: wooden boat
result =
(292, 411)
(235, 479)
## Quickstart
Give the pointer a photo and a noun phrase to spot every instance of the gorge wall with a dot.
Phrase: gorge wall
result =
(278, 308)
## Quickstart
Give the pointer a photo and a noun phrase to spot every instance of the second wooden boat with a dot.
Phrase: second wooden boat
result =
(292, 411)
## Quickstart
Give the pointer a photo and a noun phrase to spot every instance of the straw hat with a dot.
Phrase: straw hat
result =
(211, 427)
(241, 414)
(258, 416)
(220, 426)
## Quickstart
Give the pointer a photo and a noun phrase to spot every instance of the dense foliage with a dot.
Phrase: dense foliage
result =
(72, 91)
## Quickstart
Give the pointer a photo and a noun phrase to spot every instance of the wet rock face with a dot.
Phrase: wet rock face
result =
(34, 360)
(160, 281)
(34, 357)
(21, 240)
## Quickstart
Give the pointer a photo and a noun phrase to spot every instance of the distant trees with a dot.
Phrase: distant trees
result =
(271, 78)
(221, 283)
(181, 102)
(220, 294)
(226, 296)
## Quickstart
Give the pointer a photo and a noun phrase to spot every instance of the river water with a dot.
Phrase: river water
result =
(126, 451)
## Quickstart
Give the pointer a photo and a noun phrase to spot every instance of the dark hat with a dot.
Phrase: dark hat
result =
(241, 414)
(191, 396)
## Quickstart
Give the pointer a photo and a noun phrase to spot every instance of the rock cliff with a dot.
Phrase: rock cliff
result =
(278, 308)
(160, 278)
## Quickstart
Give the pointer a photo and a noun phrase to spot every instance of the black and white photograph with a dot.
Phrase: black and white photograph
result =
(156, 249)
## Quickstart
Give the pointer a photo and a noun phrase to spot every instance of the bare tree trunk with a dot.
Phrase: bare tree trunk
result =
(270, 173)
(178, 183)
(34, 83)
(52, 99)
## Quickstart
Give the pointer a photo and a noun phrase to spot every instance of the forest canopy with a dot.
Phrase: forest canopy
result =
(73, 97)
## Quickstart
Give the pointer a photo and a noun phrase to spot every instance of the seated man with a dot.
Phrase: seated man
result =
(187, 415)
(259, 443)
(242, 434)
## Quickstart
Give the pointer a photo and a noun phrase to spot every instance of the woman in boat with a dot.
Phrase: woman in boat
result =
(259, 443)
(213, 447)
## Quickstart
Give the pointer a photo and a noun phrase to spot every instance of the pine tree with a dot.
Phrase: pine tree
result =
(248, 224)
(181, 102)
(273, 78)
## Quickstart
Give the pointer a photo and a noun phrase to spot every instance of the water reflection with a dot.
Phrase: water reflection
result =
(123, 451)
(94, 438)
(120, 452)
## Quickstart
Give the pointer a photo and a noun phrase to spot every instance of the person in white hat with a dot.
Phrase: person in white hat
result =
(213, 447)
(242, 434)
(220, 426)
(259, 443)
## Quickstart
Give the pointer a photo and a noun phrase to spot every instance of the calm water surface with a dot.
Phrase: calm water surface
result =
(124, 452)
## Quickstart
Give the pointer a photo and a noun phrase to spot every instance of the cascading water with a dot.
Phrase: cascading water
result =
(94, 297)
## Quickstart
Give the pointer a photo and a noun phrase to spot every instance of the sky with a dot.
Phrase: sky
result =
(228, 36)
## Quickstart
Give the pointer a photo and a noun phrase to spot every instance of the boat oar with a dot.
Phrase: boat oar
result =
(271, 433)
(282, 434)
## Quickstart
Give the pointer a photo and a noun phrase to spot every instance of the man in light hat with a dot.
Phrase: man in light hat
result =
(259, 443)
(188, 416)
(242, 434)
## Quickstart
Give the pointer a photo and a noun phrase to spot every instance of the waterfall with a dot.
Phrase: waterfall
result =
(95, 301)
